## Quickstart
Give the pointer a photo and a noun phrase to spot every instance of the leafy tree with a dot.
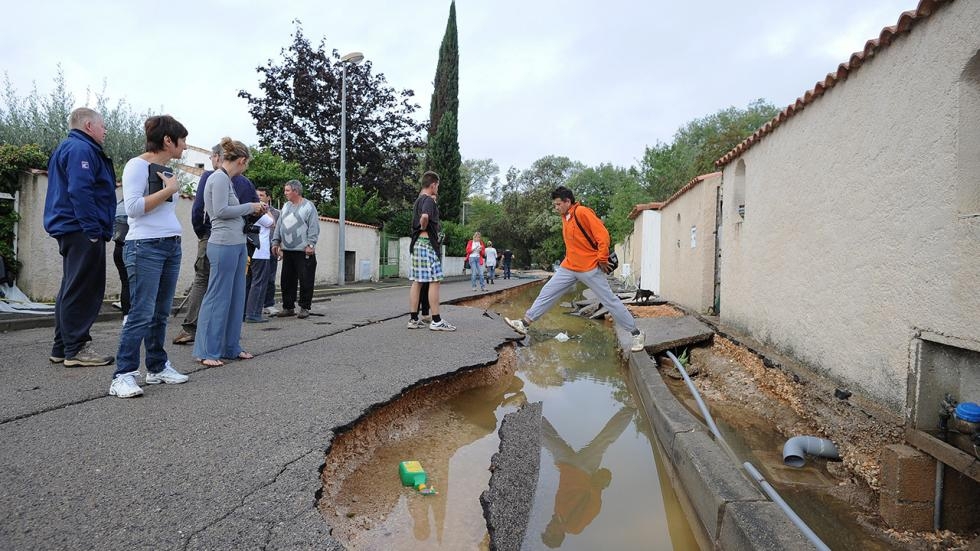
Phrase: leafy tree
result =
(481, 177)
(361, 205)
(601, 188)
(268, 170)
(297, 116)
(443, 151)
(665, 168)
(43, 120)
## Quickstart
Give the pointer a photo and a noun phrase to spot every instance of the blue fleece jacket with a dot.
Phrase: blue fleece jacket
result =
(244, 190)
(81, 189)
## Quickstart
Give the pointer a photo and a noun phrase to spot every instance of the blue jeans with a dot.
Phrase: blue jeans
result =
(219, 324)
(152, 266)
(476, 271)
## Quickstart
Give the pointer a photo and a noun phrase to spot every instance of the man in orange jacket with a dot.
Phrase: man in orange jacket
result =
(582, 263)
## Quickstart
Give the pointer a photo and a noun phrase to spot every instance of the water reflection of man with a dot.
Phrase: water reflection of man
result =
(581, 480)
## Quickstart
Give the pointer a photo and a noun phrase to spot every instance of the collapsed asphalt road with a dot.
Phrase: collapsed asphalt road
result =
(228, 460)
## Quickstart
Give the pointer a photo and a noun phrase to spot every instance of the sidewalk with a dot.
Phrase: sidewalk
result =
(228, 460)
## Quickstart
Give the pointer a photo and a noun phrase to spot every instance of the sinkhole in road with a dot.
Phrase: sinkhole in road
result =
(602, 481)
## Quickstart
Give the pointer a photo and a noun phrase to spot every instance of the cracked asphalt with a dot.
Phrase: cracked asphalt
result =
(229, 460)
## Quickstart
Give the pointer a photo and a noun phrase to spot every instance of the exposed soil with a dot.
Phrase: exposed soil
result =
(793, 401)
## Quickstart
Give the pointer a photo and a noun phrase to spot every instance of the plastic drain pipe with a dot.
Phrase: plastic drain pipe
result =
(796, 448)
(755, 474)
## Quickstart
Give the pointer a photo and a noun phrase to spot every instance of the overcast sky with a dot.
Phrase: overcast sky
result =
(595, 81)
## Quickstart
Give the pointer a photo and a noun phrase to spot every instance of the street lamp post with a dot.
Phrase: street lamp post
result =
(355, 58)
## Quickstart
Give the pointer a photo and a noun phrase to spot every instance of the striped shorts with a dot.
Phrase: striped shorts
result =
(426, 266)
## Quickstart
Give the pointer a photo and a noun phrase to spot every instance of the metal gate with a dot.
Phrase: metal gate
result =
(388, 263)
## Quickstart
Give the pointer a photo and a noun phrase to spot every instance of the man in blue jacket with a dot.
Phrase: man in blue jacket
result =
(78, 212)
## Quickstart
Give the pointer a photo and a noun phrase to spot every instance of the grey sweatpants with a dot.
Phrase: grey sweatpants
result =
(565, 279)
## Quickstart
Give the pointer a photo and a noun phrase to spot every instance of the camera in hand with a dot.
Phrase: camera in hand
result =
(155, 181)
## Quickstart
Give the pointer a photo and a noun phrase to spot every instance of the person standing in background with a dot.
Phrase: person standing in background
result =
(294, 242)
(491, 262)
(119, 231)
(474, 257)
(260, 266)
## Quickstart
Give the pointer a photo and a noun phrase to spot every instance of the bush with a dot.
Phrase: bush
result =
(14, 160)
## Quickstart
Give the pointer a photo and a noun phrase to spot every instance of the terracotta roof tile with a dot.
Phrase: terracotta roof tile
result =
(688, 186)
(906, 21)
(347, 222)
(644, 206)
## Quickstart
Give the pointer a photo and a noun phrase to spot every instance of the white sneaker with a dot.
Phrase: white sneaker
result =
(124, 386)
(117, 305)
(639, 342)
(169, 375)
(517, 325)
(415, 324)
(270, 310)
(126, 317)
(441, 325)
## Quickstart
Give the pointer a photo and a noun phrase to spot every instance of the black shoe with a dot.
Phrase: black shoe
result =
(286, 312)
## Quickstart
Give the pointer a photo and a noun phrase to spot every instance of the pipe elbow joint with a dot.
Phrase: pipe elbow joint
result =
(796, 448)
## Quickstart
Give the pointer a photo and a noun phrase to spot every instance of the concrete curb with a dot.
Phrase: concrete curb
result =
(731, 511)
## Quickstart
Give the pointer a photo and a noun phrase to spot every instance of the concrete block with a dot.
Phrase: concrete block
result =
(758, 526)
(666, 333)
(907, 473)
(667, 415)
(905, 515)
(710, 478)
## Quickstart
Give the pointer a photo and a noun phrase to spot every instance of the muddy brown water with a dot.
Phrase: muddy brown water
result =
(601, 481)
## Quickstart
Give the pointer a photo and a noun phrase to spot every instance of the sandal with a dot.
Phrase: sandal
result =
(211, 363)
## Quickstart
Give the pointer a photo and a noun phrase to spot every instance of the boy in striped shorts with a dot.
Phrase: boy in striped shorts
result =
(426, 263)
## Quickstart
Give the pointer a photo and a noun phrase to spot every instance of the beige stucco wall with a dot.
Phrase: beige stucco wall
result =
(687, 273)
(853, 238)
(40, 275)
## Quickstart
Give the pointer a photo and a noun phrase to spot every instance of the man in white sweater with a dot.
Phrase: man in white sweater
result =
(294, 243)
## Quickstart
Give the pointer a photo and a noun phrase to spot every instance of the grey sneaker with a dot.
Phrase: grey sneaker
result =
(517, 325)
(56, 359)
(124, 386)
(639, 342)
(303, 313)
(415, 324)
(270, 310)
(286, 312)
(169, 375)
(426, 319)
(88, 357)
(441, 325)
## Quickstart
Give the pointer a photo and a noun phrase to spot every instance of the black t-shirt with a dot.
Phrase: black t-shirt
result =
(507, 255)
(425, 204)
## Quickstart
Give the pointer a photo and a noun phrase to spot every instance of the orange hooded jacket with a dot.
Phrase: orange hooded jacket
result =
(579, 254)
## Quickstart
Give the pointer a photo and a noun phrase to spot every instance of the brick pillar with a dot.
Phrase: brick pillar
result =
(908, 479)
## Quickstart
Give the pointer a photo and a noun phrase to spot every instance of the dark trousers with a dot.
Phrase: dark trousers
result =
(270, 292)
(80, 296)
(506, 270)
(297, 267)
(202, 272)
(117, 259)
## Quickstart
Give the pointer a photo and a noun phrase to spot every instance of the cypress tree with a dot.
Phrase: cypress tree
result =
(443, 156)
(443, 148)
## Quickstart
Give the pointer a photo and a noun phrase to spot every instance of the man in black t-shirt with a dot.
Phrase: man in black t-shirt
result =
(507, 257)
(426, 262)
